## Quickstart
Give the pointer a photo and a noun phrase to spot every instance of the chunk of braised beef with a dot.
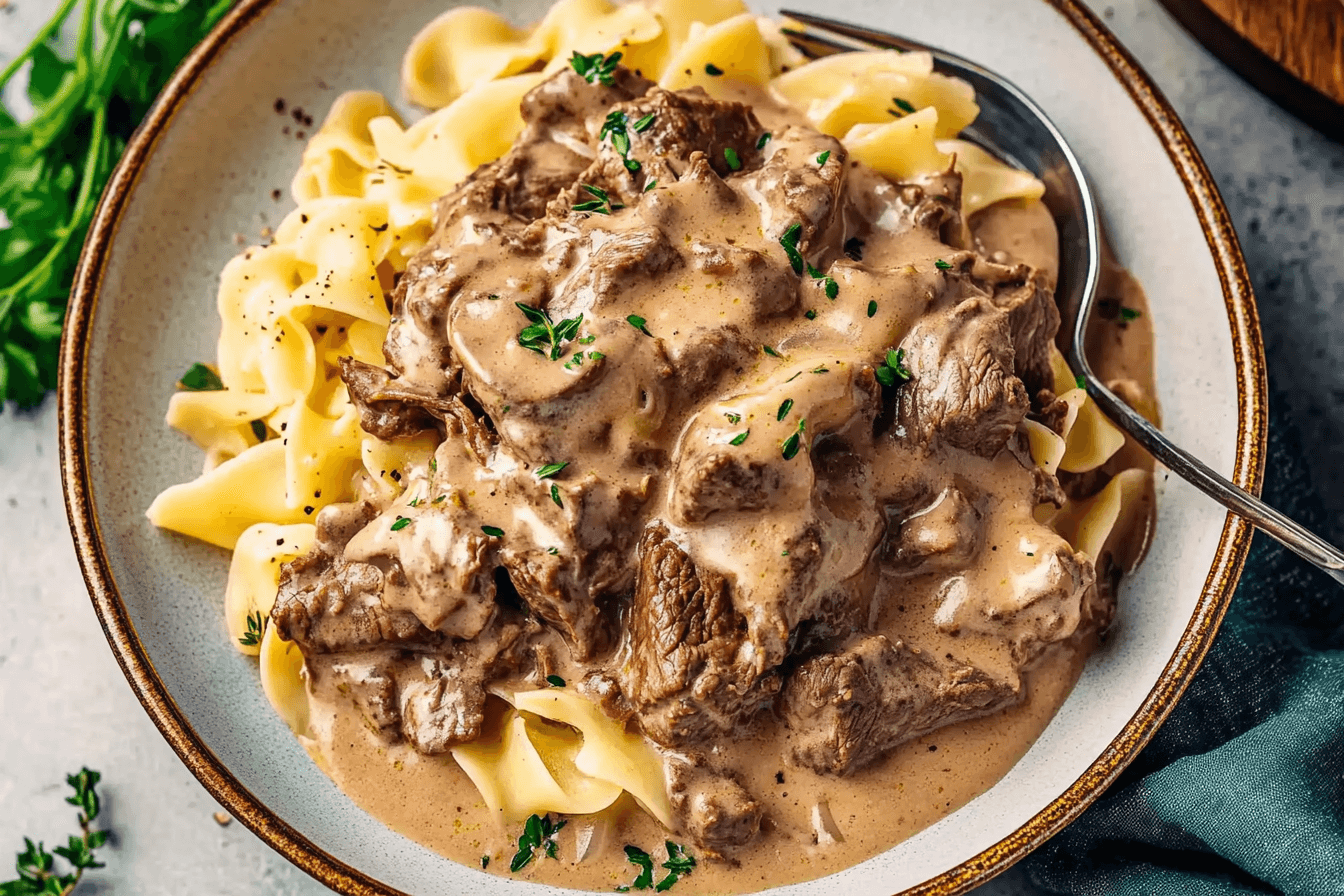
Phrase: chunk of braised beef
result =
(686, 676)
(387, 409)
(964, 392)
(798, 189)
(714, 810)
(848, 708)
(1033, 318)
(442, 701)
(944, 533)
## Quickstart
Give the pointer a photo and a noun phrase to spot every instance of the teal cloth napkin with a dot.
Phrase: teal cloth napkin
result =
(1242, 790)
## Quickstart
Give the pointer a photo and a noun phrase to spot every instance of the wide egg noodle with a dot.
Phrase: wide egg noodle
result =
(219, 421)
(903, 149)
(341, 152)
(609, 751)
(254, 574)
(1089, 523)
(734, 47)
(282, 680)
(985, 180)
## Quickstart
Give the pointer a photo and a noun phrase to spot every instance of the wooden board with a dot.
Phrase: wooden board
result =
(1292, 50)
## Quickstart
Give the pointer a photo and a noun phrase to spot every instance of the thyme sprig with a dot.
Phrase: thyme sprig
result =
(544, 336)
(595, 68)
(37, 868)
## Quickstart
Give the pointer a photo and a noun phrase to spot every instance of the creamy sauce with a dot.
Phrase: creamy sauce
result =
(1006, 603)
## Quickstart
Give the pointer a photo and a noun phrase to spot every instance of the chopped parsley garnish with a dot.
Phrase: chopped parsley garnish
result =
(821, 159)
(493, 531)
(550, 471)
(769, 350)
(602, 204)
(712, 69)
(854, 248)
(201, 379)
(555, 495)
(643, 124)
(1128, 314)
(810, 314)
(831, 288)
(1080, 382)
(731, 157)
(740, 437)
(587, 340)
(638, 323)
(678, 864)
(596, 356)
(552, 551)
(821, 369)
(400, 523)
(615, 126)
(595, 68)
(942, 265)
(733, 418)
(790, 446)
(544, 336)
(872, 307)
(259, 430)
(485, 862)
(555, 681)
(790, 243)
(903, 107)
(893, 369)
(538, 834)
(256, 627)
(784, 408)
(765, 138)
(650, 185)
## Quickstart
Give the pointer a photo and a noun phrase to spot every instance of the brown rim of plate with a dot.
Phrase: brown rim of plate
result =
(1248, 353)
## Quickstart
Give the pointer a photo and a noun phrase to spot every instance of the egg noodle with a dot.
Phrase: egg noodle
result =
(365, 194)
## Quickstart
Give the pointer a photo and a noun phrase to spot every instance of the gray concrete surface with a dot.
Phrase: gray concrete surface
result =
(64, 702)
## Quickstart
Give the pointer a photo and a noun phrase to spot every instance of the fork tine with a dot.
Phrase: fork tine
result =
(815, 46)
(867, 38)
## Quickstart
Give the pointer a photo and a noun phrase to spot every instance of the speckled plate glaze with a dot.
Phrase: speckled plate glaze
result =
(203, 168)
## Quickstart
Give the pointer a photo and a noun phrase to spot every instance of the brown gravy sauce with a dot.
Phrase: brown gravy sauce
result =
(430, 800)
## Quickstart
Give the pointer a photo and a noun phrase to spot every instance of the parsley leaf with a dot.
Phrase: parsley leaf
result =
(400, 523)
(790, 446)
(893, 370)
(790, 243)
(942, 265)
(595, 68)
(256, 627)
(538, 834)
(903, 107)
(872, 307)
(823, 158)
(201, 379)
(544, 336)
(644, 862)
(53, 167)
(678, 863)
(784, 409)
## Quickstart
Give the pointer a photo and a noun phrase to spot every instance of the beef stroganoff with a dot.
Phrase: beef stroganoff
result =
(654, 466)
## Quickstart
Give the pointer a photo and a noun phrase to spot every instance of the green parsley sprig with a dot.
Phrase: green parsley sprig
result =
(37, 868)
(595, 68)
(538, 835)
(53, 167)
(601, 203)
(679, 863)
(893, 371)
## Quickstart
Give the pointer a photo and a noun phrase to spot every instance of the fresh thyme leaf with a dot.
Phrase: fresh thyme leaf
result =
(740, 437)
(730, 155)
(493, 531)
(821, 159)
(942, 265)
(494, 296)
(644, 862)
(259, 430)
(789, 448)
(400, 523)
(643, 124)
(594, 68)
(769, 350)
(199, 378)
(712, 69)
(1080, 382)
(790, 243)
(831, 288)
(37, 868)
(544, 336)
(765, 138)
(854, 248)
(552, 551)
(810, 314)
(485, 862)
(551, 470)
(821, 369)
(256, 627)
(593, 205)
(53, 167)
(872, 307)
(784, 408)
(1128, 314)
(903, 105)
(632, 165)
(555, 681)
(650, 185)
(555, 495)
(733, 418)
(638, 323)
(893, 370)
(440, 499)
(598, 192)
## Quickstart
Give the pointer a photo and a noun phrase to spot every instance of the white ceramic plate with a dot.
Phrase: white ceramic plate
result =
(203, 169)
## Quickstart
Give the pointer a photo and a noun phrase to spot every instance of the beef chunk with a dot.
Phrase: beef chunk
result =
(684, 675)
(772, 290)
(620, 262)
(714, 810)
(964, 392)
(945, 533)
(688, 121)
(369, 680)
(848, 708)
(442, 702)
(387, 409)
(799, 190)
(707, 355)
(1033, 318)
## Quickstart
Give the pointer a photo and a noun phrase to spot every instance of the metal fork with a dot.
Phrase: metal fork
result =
(1014, 128)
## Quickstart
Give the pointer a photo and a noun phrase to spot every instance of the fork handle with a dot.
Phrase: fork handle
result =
(1292, 535)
